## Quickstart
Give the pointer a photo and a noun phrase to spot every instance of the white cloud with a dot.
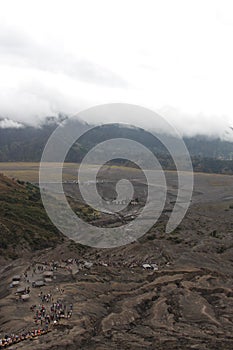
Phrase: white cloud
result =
(8, 123)
(64, 56)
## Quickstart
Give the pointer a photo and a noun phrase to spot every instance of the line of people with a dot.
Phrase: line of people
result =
(9, 340)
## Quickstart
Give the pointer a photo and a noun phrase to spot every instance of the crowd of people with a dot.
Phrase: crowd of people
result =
(48, 311)
(45, 315)
(46, 297)
(9, 340)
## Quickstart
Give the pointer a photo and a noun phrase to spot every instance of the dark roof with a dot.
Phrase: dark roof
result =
(16, 278)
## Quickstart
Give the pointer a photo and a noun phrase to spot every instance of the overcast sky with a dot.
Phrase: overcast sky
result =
(174, 56)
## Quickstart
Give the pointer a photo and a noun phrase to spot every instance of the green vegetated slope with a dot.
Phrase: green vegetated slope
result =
(26, 144)
(24, 224)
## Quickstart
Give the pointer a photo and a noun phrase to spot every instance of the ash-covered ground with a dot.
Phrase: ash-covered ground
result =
(182, 300)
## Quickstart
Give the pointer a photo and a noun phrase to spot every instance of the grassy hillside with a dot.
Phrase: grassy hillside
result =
(24, 224)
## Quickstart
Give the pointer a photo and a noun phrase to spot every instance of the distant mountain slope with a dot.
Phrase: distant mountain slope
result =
(209, 147)
(26, 143)
(24, 224)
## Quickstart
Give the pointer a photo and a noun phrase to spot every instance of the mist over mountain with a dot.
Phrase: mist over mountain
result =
(21, 142)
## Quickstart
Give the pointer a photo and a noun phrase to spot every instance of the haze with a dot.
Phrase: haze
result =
(174, 57)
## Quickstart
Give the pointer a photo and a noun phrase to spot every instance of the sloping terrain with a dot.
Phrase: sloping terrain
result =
(117, 304)
(26, 144)
(24, 224)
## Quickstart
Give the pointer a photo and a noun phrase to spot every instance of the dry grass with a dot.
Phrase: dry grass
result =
(29, 171)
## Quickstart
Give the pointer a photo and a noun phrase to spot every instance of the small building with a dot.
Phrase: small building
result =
(150, 267)
(88, 265)
(38, 284)
(48, 279)
(16, 278)
(21, 290)
(155, 267)
(48, 274)
(14, 284)
(147, 266)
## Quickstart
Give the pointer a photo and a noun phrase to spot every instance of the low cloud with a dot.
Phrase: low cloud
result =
(56, 59)
(190, 125)
(8, 123)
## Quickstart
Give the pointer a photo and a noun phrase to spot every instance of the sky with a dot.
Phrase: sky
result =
(174, 57)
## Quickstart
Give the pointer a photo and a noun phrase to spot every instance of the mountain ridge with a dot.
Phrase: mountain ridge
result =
(24, 143)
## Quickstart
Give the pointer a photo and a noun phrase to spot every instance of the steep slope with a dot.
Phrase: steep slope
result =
(24, 224)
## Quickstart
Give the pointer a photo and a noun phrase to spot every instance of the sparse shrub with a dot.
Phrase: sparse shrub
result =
(20, 182)
(3, 244)
(175, 239)
(151, 237)
(221, 249)
(215, 234)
